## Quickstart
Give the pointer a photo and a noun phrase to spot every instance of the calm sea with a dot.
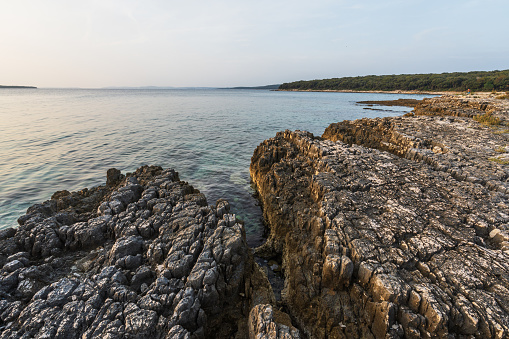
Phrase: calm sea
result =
(55, 139)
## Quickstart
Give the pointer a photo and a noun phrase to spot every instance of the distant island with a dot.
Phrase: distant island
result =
(458, 82)
(266, 87)
(2, 86)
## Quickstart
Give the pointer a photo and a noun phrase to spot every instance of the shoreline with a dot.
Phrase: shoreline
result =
(395, 218)
(393, 92)
(385, 227)
(377, 92)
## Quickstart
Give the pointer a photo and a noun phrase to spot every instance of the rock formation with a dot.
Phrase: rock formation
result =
(384, 228)
(460, 106)
(394, 227)
(141, 257)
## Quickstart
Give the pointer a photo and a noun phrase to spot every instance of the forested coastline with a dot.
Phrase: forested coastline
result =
(2, 86)
(458, 81)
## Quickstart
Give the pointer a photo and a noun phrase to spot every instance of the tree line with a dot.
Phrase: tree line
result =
(457, 81)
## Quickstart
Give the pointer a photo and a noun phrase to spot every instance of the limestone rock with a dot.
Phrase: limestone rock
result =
(395, 199)
(265, 323)
(142, 257)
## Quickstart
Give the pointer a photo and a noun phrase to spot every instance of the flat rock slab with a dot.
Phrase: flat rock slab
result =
(398, 102)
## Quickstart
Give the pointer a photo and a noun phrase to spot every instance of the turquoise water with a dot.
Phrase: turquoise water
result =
(55, 139)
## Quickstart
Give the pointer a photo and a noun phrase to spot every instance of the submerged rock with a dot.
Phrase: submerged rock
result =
(143, 257)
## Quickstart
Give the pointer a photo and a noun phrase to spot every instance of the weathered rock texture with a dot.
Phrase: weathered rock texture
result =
(266, 322)
(386, 246)
(462, 106)
(142, 257)
(460, 146)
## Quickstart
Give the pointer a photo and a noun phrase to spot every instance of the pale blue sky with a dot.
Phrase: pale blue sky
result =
(97, 43)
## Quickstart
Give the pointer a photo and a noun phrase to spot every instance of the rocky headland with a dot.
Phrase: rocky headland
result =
(143, 256)
(393, 227)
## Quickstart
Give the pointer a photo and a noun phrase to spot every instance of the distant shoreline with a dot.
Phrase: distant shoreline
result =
(29, 87)
(382, 92)
(477, 81)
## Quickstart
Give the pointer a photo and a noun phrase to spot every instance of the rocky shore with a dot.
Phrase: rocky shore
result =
(143, 256)
(394, 227)
(381, 228)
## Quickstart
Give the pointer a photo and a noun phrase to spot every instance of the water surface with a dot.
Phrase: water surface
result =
(55, 139)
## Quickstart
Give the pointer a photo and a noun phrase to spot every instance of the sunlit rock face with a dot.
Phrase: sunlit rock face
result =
(392, 227)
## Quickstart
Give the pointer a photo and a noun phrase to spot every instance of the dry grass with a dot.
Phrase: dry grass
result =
(487, 119)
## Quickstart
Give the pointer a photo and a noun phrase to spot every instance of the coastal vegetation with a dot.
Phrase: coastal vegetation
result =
(457, 81)
(487, 119)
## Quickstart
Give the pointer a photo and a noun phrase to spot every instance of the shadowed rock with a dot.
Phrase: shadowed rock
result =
(142, 257)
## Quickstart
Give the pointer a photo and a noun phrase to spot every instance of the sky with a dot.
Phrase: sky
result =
(222, 43)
